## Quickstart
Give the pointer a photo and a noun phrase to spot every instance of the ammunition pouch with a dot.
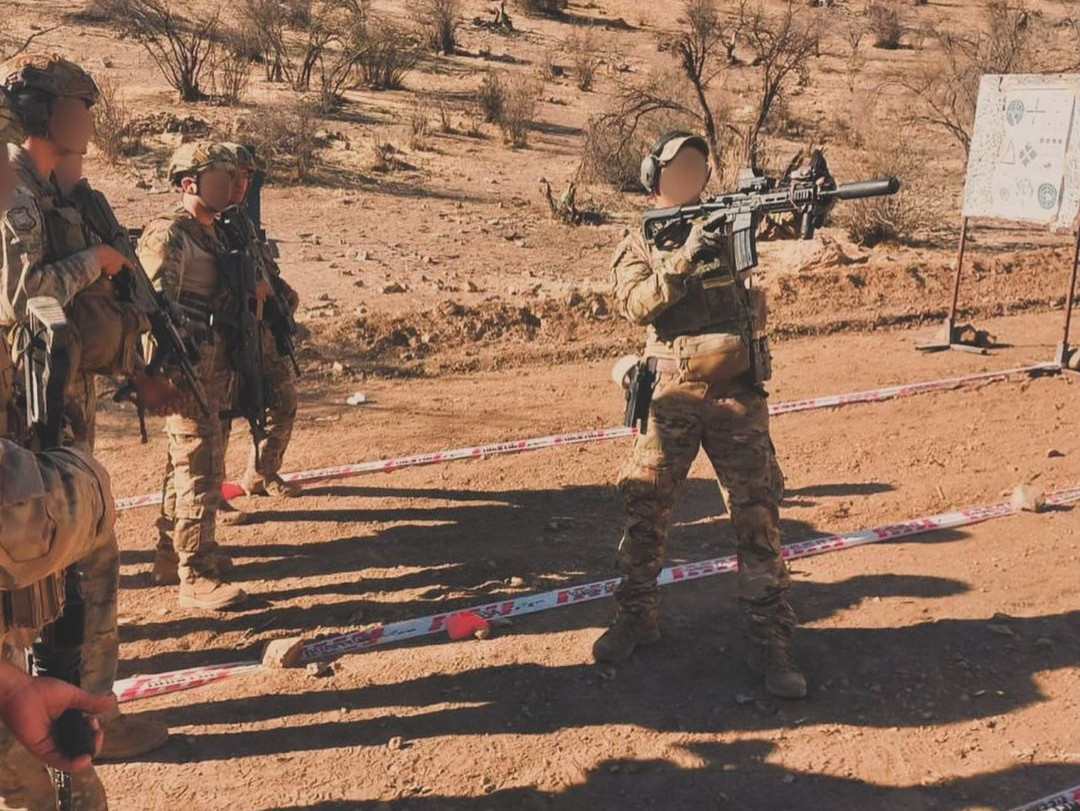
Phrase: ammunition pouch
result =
(107, 331)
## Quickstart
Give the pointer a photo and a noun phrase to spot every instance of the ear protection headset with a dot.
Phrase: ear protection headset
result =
(33, 109)
(651, 165)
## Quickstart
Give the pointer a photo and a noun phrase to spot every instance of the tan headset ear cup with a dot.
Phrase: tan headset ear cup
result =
(649, 170)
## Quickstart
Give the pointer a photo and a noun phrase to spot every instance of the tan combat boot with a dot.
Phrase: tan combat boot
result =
(275, 486)
(209, 593)
(166, 570)
(129, 736)
(770, 630)
(231, 516)
(627, 631)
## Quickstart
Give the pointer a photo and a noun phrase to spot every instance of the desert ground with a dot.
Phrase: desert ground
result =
(435, 281)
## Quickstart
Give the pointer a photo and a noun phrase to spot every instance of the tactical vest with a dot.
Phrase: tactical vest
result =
(24, 612)
(65, 231)
(716, 300)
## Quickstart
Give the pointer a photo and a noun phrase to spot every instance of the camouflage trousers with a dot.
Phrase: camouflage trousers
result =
(99, 579)
(730, 420)
(195, 469)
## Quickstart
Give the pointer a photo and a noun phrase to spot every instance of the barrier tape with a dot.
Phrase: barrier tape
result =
(377, 635)
(232, 489)
(1067, 800)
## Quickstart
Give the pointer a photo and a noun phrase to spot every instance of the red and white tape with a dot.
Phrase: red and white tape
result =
(232, 489)
(1067, 800)
(377, 635)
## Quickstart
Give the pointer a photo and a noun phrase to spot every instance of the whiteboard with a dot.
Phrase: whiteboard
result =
(1024, 162)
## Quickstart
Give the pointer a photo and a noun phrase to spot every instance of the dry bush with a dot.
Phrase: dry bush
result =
(550, 8)
(182, 46)
(613, 149)
(883, 20)
(268, 20)
(385, 56)
(585, 52)
(304, 41)
(446, 123)
(438, 22)
(522, 100)
(898, 218)
(474, 123)
(491, 98)
(549, 67)
(113, 123)
(419, 128)
(383, 156)
(230, 72)
(285, 136)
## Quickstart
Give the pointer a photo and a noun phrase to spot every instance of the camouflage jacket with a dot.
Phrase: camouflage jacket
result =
(55, 508)
(182, 258)
(28, 268)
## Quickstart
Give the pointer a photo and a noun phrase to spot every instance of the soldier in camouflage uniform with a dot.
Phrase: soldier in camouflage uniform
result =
(700, 332)
(181, 251)
(55, 509)
(263, 472)
(46, 251)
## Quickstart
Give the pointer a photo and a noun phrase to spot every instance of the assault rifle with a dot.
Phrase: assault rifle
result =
(246, 345)
(174, 348)
(740, 212)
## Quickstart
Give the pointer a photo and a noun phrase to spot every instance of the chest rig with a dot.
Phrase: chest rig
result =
(716, 299)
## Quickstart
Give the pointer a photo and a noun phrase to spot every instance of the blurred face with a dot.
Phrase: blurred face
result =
(213, 187)
(683, 179)
(241, 180)
(7, 178)
(71, 126)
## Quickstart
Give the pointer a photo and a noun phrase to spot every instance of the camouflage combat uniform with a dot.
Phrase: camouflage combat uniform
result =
(56, 509)
(701, 323)
(181, 257)
(43, 257)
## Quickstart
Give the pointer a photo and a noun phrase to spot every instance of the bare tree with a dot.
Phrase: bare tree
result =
(181, 46)
(782, 46)
(945, 93)
(700, 48)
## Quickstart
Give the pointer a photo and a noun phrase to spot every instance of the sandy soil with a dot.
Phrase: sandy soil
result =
(944, 667)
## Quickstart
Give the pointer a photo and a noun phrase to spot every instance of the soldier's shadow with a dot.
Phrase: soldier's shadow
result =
(462, 548)
(742, 776)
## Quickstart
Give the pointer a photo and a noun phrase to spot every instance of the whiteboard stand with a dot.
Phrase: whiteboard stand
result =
(1062, 356)
(1023, 166)
(947, 337)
